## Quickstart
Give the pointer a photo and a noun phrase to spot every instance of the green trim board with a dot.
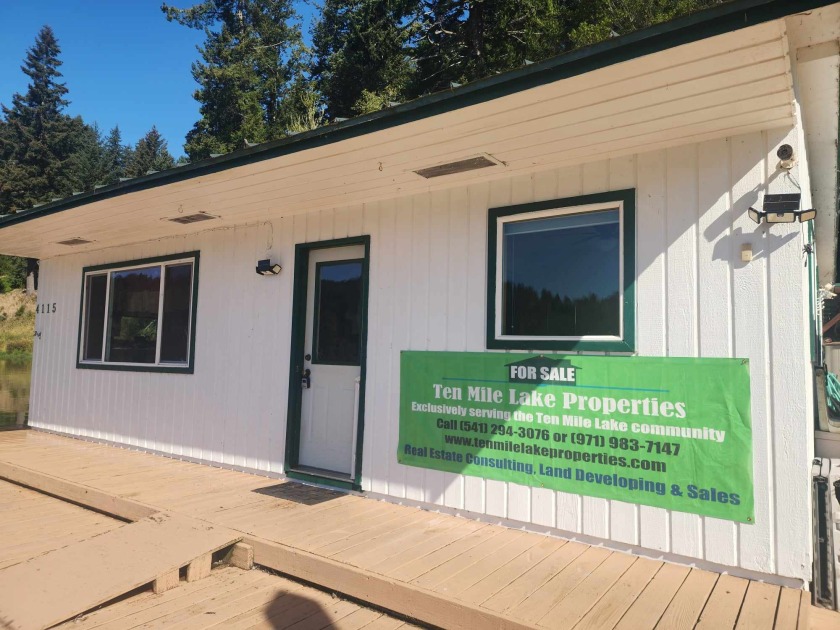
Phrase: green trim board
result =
(186, 369)
(316, 307)
(725, 18)
(297, 349)
(628, 341)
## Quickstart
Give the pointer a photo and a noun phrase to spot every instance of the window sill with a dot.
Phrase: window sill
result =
(120, 367)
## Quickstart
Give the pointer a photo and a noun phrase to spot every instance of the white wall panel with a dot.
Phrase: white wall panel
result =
(427, 292)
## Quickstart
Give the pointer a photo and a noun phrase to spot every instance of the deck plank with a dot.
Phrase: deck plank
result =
(58, 524)
(813, 618)
(359, 618)
(148, 606)
(583, 597)
(407, 540)
(344, 538)
(689, 601)
(759, 609)
(459, 582)
(439, 538)
(59, 585)
(724, 604)
(413, 570)
(355, 549)
(538, 604)
(787, 614)
(529, 582)
(647, 610)
(489, 546)
(607, 612)
(232, 599)
(502, 577)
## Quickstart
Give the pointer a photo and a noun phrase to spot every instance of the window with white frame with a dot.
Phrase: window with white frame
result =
(139, 314)
(560, 274)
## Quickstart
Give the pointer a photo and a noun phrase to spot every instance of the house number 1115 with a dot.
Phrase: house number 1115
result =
(45, 308)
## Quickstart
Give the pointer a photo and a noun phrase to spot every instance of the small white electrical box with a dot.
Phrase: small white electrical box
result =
(746, 252)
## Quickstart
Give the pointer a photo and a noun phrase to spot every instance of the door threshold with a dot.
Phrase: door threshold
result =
(323, 477)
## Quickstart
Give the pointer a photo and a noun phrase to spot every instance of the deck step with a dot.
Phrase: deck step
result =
(61, 584)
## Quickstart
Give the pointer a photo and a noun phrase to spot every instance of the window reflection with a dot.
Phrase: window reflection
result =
(561, 276)
(95, 291)
(338, 322)
(175, 330)
(135, 296)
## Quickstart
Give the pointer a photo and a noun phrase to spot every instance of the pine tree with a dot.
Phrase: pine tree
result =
(252, 57)
(39, 145)
(597, 20)
(89, 165)
(150, 154)
(116, 156)
(362, 55)
(465, 40)
(37, 139)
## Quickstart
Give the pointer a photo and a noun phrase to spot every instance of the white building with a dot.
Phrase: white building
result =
(155, 332)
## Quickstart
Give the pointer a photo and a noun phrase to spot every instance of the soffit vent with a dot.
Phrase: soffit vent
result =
(460, 166)
(74, 241)
(186, 219)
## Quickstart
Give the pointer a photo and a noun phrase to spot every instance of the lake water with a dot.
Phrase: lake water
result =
(14, 392)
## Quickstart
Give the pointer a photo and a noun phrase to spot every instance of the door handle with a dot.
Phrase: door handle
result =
(306, 381)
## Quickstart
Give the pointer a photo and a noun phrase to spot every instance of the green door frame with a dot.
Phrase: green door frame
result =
(298, 342)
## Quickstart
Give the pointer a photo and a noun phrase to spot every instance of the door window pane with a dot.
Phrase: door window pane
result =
(338, 312)
(561, 276)
(95, 287)
(135, 295)
(175, 331)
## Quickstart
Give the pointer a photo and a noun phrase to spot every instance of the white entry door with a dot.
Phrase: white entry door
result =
(335, 313)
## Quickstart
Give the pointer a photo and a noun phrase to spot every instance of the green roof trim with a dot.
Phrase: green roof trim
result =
(725, 18)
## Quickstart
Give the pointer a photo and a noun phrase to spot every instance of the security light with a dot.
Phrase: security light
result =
(785, 155)
(782, 208)
(807, 215)
(785, 152)
(266, 268)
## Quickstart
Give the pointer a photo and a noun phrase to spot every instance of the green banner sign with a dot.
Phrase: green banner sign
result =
(668, 432)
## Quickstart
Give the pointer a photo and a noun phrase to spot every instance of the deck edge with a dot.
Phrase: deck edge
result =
(112, 505)
(401, 598)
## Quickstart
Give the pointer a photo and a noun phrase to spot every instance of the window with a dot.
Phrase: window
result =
(560, 274)
(140, 315)
(338, 312)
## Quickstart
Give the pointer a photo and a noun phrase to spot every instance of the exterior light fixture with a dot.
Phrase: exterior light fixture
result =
(265, 268)
(783, 208)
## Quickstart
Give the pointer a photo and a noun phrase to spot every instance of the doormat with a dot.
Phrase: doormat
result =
(299, 493)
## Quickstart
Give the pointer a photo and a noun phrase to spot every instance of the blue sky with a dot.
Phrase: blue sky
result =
(123, 62)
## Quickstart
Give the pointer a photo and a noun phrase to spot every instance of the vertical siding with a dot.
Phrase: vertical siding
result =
(427, 292)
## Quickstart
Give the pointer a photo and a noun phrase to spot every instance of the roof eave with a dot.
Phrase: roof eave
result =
(724, 18)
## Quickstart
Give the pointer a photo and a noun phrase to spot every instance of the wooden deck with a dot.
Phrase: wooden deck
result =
(439, 569)
(32, 524)
(232, 599)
